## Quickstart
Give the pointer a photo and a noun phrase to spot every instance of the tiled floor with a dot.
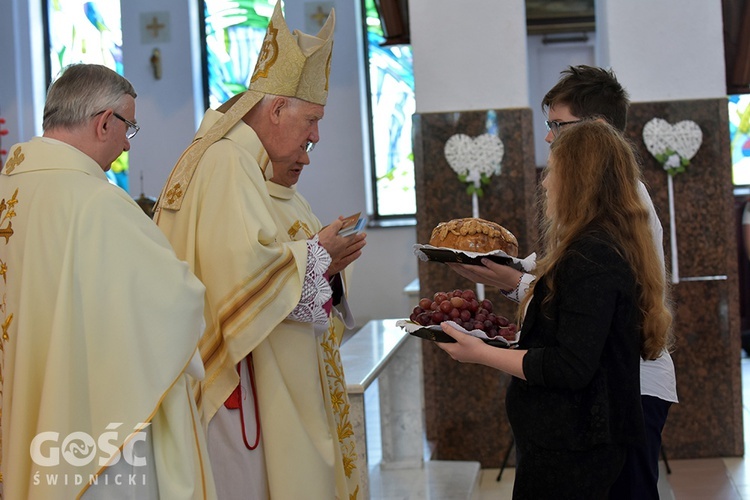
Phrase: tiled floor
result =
(701, 479)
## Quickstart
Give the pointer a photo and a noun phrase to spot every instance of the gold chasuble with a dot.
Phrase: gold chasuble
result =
(100, 321)
(226, 229)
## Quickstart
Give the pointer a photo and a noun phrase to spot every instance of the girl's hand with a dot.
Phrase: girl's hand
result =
(467, 349)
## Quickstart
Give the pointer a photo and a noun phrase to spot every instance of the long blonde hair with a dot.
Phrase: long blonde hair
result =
(597, 188)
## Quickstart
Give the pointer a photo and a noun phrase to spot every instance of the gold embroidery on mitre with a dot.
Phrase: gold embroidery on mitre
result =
(269, 52)
(294, 64)
(17, 159)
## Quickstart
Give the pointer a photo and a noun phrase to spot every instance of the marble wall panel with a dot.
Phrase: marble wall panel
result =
(465, 404)
(708, 420)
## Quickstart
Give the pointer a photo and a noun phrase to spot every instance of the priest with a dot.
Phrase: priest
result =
(100, 320)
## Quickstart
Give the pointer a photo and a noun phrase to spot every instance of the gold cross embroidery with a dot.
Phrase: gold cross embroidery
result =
(174, 193)
(17, 159)
(7, 210)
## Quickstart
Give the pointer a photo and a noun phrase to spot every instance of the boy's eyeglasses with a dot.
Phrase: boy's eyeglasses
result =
(555, 126)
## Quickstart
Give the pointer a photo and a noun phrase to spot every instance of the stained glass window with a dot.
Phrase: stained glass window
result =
(392, 104)
(234, 34)
(739, 137)
(87, 32)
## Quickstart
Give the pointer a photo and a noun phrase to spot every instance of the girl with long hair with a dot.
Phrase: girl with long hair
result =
(597, 305)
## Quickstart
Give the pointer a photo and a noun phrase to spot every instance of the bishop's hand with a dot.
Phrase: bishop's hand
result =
(343, 249)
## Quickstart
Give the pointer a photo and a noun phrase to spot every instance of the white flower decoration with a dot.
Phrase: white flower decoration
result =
(672, 145)
(474, 160)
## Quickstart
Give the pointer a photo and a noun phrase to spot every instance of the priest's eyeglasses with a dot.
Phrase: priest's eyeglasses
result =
(554, 126)
(133, 128)
(309, 146)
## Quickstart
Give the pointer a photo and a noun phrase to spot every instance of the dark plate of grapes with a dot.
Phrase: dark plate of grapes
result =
(438, 335)
(465, 312)
(437, 254)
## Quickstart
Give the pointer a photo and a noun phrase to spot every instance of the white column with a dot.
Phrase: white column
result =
(469, 55)
(663, 51)
(401, 408)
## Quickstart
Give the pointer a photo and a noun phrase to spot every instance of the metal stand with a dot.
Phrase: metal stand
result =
(666, 463)
(507, 455)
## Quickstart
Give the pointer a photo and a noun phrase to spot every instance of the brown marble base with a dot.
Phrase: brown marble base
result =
(465, 404)
(708, 420)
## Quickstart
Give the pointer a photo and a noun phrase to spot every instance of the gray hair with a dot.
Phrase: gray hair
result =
(82, 91)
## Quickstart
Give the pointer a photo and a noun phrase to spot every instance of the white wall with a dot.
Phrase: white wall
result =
(663, 50)
(469, 58)
(546, 60)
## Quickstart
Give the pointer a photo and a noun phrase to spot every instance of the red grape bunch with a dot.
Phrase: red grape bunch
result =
(462, 307)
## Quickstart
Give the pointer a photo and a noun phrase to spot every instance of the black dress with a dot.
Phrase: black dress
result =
(579, 408)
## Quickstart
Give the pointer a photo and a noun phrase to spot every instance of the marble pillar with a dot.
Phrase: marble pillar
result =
(708, 420)
(465, 404)
(401, 413)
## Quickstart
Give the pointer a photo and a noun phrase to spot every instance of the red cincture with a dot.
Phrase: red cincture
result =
(234, 401)
(328, 305)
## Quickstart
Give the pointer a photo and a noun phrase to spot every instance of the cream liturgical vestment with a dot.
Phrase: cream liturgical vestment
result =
(254, 274)
(294, 216)
(99, 322)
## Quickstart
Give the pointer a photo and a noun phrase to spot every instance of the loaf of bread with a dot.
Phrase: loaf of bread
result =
(474, 235)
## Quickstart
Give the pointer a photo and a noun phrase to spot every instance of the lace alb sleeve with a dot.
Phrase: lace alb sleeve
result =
(315, 291)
